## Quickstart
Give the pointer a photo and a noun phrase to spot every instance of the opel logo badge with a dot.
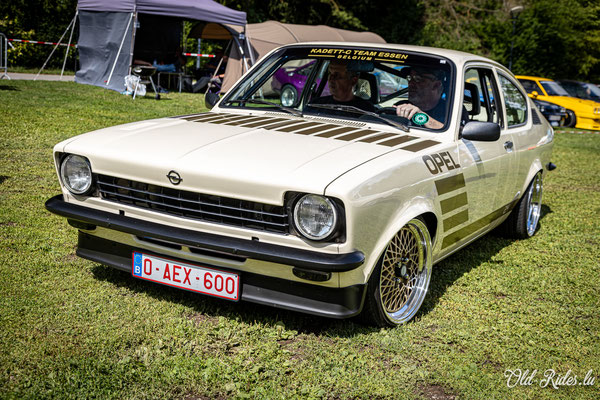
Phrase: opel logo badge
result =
(174, 177)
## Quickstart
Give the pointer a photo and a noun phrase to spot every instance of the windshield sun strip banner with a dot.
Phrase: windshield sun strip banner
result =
(358, 54)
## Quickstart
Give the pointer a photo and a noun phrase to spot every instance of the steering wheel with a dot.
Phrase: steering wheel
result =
(387, 110)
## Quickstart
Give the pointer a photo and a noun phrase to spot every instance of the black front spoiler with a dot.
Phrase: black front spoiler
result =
(311, 260)
(275, 292)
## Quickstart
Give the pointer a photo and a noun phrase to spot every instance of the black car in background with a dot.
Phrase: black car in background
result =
(554, 113)
(582, 90)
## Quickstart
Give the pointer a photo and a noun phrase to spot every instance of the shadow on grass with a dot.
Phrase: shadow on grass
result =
(9, 88)
(207, 309)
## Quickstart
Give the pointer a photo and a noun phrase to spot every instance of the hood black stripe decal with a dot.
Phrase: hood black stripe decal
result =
(377, 137)
(397, 141)
(336, 132)
(260, 124)
(296, 128)
(315, 128)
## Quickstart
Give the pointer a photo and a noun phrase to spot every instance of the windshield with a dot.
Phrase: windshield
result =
(398, 88)
(554, 89)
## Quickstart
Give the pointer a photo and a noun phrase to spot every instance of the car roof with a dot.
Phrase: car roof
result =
(537, 78)
(458, 57)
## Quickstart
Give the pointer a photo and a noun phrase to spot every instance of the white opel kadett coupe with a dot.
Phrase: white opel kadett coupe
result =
(333, 198)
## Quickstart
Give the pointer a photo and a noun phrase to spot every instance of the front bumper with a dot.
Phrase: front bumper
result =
(313, 299)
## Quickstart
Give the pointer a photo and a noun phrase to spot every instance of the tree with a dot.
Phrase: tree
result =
(43, 20)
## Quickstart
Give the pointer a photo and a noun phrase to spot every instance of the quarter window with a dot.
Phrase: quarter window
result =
(516, 104)
(480, 99)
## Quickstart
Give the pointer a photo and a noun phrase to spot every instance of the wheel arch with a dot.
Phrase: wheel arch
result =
(421, 208)
(535, 167)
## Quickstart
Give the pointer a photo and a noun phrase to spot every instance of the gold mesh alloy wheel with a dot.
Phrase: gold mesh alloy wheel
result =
(405, 272)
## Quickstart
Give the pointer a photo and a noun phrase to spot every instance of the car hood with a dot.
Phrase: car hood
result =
(256, 158)
(573, 103)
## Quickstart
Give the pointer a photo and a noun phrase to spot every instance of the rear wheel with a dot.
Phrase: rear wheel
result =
(399, 283)
(571, 119)
(524, 220)
(289, 95)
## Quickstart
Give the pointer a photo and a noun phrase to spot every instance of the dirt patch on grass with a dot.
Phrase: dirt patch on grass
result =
(193, 396)
(435, 392)
(203, 319)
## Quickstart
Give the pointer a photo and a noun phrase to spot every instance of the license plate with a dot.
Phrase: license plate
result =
(186, 276)
(554, 118)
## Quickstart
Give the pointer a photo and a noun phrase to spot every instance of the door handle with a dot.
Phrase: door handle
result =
(508, 146)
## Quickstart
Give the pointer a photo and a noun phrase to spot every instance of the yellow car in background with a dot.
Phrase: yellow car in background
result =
(582, 114)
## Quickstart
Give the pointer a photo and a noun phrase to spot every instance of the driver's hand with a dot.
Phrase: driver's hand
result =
(407, 110)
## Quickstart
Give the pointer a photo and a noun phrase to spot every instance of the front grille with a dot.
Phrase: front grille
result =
(198, 206)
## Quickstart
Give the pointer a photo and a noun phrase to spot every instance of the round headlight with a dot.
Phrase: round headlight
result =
(315, 216)
(76, 174)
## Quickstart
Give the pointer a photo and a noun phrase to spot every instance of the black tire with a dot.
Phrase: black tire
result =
(289, 96)
(399, 283)
(571, 119)
(523, 221)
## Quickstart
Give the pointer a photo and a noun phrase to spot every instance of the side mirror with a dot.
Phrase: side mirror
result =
(210, 99)
(535, 94)
(481, 131)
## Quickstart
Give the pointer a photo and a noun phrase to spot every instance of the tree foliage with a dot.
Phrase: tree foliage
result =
(553, 38)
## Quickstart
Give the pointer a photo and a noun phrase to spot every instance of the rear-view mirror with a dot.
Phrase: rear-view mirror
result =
(210, 99)
(481, 131)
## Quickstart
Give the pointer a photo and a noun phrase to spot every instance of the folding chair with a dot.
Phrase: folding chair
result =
(145, 74)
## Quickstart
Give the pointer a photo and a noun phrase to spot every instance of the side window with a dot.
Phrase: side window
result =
(516, 103)
(481, 96)
(530, 86)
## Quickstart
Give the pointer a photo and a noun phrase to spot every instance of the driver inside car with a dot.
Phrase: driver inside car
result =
(425, 105)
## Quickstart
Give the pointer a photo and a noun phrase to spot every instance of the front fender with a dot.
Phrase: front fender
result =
(410, 209)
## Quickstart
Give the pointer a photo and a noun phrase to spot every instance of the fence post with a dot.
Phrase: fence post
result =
(4, 56)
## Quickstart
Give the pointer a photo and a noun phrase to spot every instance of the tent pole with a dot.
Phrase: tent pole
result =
(119, 51)
(241, 49)
(55, 46)
(132, 47)
(247, 40)
(68, 46)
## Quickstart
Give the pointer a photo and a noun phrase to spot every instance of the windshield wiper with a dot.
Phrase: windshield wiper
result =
(343, 107)
(290, 110)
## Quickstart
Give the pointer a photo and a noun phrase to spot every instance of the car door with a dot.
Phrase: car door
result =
(517, 130)
(485, 165)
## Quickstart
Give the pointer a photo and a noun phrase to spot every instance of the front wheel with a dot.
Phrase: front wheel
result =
(571, 119)
(399, 283)
(289, 96)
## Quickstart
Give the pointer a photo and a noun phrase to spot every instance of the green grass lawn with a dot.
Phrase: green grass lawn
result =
(71, 328)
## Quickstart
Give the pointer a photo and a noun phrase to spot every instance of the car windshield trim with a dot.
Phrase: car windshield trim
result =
(290, 110)
(352, 109)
